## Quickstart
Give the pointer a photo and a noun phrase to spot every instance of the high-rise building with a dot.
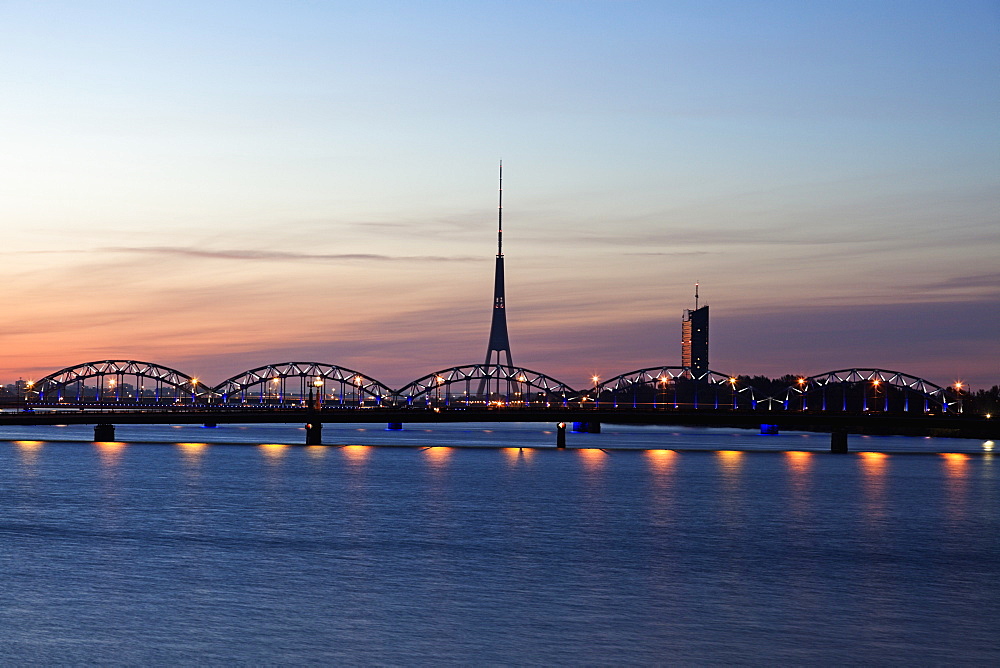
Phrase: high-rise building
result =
(694, 338)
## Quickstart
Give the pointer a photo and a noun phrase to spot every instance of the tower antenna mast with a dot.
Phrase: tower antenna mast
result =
(500, 215)
(499, 343)
(695, 296)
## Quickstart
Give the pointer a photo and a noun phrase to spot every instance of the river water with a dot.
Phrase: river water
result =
(188, 545)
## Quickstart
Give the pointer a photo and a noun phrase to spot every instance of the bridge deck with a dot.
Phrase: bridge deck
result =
(957, 426)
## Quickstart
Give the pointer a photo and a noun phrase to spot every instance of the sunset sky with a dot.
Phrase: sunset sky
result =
(214, 186)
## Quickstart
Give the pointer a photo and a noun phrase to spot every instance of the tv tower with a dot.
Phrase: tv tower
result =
(499, 342)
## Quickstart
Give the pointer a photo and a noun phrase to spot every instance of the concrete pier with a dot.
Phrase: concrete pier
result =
(314, 433)
(561, 435)
(838, 441)
(104, 433)
(394, 426)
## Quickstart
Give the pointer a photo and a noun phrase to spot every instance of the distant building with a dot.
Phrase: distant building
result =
(694, 340)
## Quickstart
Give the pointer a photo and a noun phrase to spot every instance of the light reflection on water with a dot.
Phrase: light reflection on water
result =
(799, 465)
(341, 555)
(355, 454)
(29, 451)
(437, 457)
(273, 452)
(111, 452)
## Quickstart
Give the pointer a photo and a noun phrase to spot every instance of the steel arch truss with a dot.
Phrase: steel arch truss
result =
(866, 390)
(295, 382)
(120, 381)
(675, 387)
(486, 384)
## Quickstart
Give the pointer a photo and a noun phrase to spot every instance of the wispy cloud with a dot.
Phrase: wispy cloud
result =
(282, 256)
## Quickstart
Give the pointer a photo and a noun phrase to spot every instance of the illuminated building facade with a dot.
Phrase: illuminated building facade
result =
(694, 340)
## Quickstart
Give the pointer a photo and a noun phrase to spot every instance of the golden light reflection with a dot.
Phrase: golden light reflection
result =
(661, 461)
(438, 456)
(799, 461)
(593, 458)
(956, 472)
(316, 451)
(192, 451)
(955, 464)
(356, 454)
(800, 483)
(29, 451)
(518, 455)
(730, 458)
(873, 467)
(110, 451)
(273, 451)
(29, 446)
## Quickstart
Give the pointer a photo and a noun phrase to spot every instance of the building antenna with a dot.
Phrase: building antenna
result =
(695, 296)
(500, 215)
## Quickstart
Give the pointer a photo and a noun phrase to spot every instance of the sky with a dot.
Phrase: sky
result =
(216, 186)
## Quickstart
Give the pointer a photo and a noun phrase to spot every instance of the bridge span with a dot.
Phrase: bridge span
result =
(860, 400)
(838, 424)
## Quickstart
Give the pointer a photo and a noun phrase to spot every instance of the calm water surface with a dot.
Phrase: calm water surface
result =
(195, 550)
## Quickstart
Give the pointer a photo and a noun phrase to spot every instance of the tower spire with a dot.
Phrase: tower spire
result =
(499, 341)
(695, 296)
(500, 215)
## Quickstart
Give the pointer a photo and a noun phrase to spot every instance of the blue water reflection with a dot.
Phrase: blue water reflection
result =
(195, 551)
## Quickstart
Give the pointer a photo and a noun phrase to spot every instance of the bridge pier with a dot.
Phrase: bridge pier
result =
(314, 433)
(587, 427)
(768, 429)
(394, 426)
(838, 441)
(104, 433)
(561, 435)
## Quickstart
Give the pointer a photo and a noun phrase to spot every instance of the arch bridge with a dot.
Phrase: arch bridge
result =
(857, 390)
(675, 387)
(120, 381)
(867, 390)
(491, 385)
(295, 382)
